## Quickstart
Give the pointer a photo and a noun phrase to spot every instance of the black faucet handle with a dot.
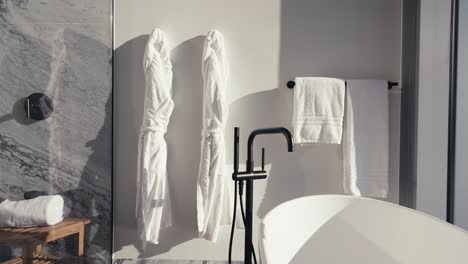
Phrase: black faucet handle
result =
(236, 149)
(263, 159)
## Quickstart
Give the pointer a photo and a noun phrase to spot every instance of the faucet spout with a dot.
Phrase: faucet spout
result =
(265, 131)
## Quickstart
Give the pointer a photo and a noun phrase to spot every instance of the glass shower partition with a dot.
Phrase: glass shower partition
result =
(460, 184)
(62, 49)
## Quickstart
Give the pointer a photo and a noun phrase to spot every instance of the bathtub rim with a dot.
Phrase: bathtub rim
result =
(349, 197)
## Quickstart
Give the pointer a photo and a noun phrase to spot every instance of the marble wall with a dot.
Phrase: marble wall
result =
(62, 48)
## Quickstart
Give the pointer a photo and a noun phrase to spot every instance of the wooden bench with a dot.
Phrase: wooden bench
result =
(31, 239)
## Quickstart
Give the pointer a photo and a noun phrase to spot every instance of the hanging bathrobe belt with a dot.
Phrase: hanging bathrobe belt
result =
(153, 129)
(210, 132)
(157, 125)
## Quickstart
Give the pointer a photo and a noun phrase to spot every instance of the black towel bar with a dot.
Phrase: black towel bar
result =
(291, 84)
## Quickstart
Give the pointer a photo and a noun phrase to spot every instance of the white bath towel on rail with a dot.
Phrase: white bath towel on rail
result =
(153, 208)
(213, 193)
(318, 110)
(366, 138)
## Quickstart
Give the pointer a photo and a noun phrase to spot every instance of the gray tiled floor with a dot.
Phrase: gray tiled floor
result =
(154, 261)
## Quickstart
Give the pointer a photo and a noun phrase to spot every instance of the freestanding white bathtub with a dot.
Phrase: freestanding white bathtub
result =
(334, 229)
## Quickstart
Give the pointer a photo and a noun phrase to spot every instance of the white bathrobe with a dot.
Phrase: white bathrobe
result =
(153, 208)
(213, 196)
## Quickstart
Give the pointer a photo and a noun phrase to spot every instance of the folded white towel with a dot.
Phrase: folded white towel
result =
(366, 138)
(40, 211)
(318, 110)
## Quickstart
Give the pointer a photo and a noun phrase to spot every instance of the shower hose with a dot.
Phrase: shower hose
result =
(233, 225)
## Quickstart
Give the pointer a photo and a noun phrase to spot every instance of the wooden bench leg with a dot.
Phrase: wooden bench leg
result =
(80, 242)
(38, 249)
(28, 251)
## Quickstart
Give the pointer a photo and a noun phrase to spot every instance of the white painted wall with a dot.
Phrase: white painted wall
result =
(433, 89)
(269, 42)
(461, 166)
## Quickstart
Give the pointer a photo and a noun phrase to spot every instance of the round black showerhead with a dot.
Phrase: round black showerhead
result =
(38, 106)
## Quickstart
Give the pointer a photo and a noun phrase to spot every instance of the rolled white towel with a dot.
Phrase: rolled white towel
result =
(40, 211)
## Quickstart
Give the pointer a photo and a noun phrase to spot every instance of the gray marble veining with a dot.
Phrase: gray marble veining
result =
(63, 49)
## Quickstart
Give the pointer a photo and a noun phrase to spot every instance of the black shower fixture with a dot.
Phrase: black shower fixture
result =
(38, 106)
(248, 176)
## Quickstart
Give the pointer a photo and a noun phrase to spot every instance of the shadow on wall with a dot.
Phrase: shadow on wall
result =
(307, 171)
(18, 113)
(129, 92)
(129, 89)
(343, 39)
(183, 139)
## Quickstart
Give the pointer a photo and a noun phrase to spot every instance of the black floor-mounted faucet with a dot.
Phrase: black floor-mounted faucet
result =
(249, 175)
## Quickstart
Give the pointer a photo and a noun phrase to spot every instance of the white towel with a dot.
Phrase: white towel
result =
(153, 208)
(40, 211)
(318, 110)
(366, 138)
(213, 192)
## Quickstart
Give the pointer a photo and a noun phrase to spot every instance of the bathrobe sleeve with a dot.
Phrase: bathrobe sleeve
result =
(153, 206)
(214, 207)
